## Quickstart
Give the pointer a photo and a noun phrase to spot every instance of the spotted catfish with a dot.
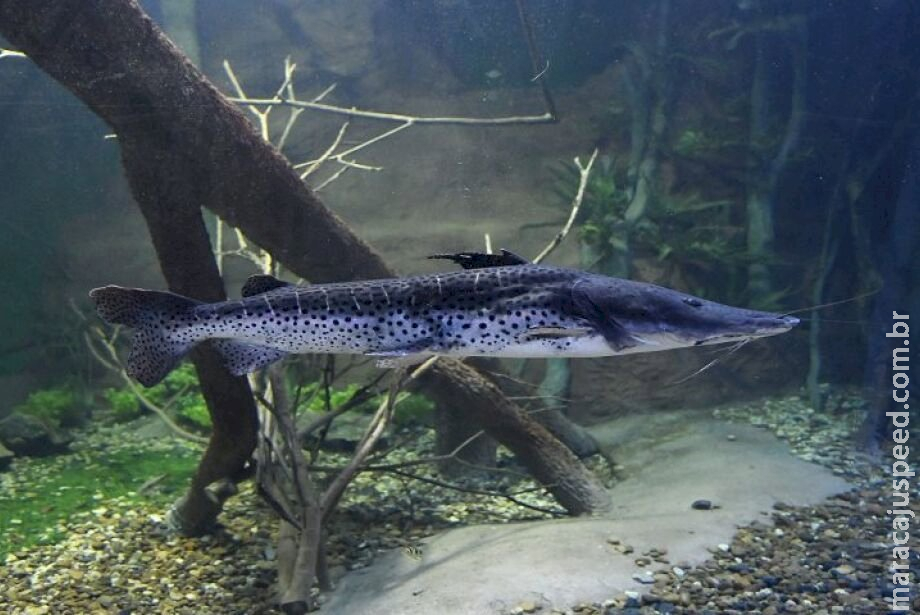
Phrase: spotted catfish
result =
(499, 305)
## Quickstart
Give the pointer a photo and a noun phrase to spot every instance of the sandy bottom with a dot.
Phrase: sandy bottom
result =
(669, 459)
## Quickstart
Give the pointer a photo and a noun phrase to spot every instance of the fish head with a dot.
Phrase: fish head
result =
(644, 317)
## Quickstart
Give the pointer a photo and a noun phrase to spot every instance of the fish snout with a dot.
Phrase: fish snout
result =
(771, 324)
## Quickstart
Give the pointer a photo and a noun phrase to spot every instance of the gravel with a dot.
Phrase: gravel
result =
(120, 557)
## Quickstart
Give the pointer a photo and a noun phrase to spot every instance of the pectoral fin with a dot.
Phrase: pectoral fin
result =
(586, 297)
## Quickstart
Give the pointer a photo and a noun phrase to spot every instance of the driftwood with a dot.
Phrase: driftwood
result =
(185, 146)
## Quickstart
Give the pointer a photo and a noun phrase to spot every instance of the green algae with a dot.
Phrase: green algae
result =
(38, 495)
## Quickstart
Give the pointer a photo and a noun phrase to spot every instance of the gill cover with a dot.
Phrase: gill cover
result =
(589, 298)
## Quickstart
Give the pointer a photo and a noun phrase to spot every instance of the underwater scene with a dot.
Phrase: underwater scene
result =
(459, 307)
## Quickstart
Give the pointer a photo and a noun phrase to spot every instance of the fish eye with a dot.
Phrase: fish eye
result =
(693, 302)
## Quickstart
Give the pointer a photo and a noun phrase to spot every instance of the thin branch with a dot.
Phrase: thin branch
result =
(9, 53)
(584, 173)
(340, 157)
(497, 494)
(330, 179)
(255, 110)
(374, 430)
(357, 165)
(288, 86)
(360, 396)
(219, 243)
(312, 166)
(543, 118)
(322, 94)
(425, 460)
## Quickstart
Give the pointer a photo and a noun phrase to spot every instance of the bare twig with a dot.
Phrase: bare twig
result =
(374, 430)
(330, 179)
(584, 173)
(498, 494)
(261, 115)
(360, 396)
(312, 166)
(543, 118)
(288, 87)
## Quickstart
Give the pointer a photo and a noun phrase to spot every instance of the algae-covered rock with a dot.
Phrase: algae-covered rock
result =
(28, 435)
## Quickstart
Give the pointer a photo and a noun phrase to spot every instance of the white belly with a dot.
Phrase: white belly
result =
(588, 346)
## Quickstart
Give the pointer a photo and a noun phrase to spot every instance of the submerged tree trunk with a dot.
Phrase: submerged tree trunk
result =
(186, 146)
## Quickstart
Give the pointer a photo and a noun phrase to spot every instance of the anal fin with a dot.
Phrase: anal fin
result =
(241, 358)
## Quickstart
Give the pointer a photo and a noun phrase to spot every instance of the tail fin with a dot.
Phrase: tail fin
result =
(161, 337)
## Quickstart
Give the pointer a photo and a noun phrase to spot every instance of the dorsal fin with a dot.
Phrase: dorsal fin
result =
(480, 260)
(262, 283)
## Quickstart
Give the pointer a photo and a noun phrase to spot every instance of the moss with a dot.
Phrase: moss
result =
(192, 410)
(123, 404)
(179, 392)
(59, 406)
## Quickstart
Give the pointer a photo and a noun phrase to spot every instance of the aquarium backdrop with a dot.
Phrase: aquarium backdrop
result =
(762, 154)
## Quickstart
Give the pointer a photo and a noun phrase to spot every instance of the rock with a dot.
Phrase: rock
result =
(29, 436)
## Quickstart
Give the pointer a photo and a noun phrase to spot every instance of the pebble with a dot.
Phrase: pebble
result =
(527, 606)
(701, 505)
